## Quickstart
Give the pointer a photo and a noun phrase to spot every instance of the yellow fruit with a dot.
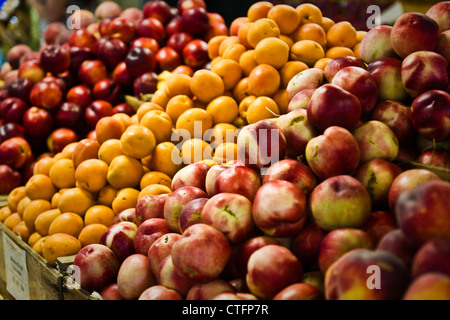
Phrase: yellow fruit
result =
(124, 171)
(59, 245)
(76, 200)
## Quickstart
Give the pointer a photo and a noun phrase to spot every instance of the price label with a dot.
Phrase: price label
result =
(16, 269)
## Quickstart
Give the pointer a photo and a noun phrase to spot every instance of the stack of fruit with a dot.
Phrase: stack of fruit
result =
(266, 49)
(55, 96)
(267, 176)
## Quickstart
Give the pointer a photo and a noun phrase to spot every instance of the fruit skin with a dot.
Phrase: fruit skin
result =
(423, 212)
(297, 130)
(340, 202)
(300, 100)
(358, 81)
(134, 276)
(97, 266)
(55, 58)
(175, 203)
(414, 31)
(436, 158)
(195, 21)
(191, 213)
(376, 44)
(168, 276)
(306, 245)
(270, 269)
(85, 149)
(20, 87)
(429, 286)
(70, 115)
(12, 109)
(161, 249)
(261, 144)
(167, 59)
(160, 10)
(195, 54)
(399, 245)
(349, 277)
(213, 173)
(15, 152)
(376, 141)
(192, 175)
(398, 117)
(126, 215)
(440, 13)
(293, 171)
(120, 239)
(430, 114)
(9, 178)
(96, 110)
(60, 138)
(207, 291)
(92, 71)
(433, 256)
(337, 64)
(331, 105)
(424, 70)
(408, 180)
(327, 158)
(279, 208)
(201, 253)
(230, 213)
(111, 292)
(311, 78)
(140, 60)
(147, 232)
(300, 291)
(387, 74)
(377, 176)
(151, 28)
(246, 249)
(145, 83)
(11, 130)
(15, 53)
(239, 180)
(158, 292)
(339, 241)
(38, 122)
(150, 206)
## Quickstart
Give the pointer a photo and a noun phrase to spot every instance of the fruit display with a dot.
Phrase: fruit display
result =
(286, 156)
(56, 95)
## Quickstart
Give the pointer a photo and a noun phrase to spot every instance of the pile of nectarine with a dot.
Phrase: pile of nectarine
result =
(276, 172)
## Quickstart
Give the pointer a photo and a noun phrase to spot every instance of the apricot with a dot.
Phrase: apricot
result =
(59, 245)
(137, 141)
(264, 80)
(124, 171)
(68, 223)
(91, 174)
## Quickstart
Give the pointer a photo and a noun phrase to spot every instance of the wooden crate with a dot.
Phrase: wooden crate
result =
(24, 274)
(31, 277)
(70, 289)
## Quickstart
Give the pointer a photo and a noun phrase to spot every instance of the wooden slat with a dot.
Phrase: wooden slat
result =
(44, 280)
(3, 200)
(71, 290)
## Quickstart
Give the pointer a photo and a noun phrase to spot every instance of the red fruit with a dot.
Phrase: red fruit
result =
(9, 179)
